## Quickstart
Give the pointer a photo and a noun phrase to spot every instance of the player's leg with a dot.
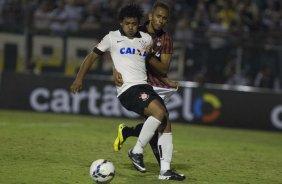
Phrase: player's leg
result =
(124, 132)
(132, 131)
(154, 146)
(165, 94)
(157, 115)
(164, 142)
(120, 139)
(165, 146)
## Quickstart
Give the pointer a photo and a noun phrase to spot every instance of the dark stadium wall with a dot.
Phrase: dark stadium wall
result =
(196, 105)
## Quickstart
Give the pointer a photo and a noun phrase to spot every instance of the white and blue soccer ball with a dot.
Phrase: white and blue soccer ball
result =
(102, 171)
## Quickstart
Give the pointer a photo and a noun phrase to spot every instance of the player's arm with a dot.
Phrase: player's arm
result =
(160, 67)
(99, 50)
(76, 86)
(117, 77)
(170, 83)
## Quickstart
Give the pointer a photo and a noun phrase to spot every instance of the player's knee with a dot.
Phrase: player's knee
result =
(161, 114)
(157, 110)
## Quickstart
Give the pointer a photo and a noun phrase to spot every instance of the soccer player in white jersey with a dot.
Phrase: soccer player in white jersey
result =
(128, 48)
(157, 65)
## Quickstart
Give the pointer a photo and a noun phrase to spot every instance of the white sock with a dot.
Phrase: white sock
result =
(165, 149)
(147, 132)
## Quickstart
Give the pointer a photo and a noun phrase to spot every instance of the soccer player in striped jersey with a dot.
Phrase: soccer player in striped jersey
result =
(157, 68)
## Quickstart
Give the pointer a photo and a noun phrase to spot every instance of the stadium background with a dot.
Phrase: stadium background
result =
(227, 55)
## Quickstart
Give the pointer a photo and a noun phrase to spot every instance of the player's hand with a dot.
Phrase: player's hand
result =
(170, 83)
(118, 78)
(149, 49)
(76, 86)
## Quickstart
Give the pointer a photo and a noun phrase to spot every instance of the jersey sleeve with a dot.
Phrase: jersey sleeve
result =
(168, 44)
(103, 46)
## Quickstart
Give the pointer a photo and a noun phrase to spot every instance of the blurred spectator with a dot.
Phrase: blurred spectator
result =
(233, 76)
(271, 14)
(92, 20)
(146, 5)
(265, 78)
(183, 29)
(58, 18)
(12, 15)
(248, 13)
(66, 17)
(74, 11)
(218, 46)
(217, 33)
(201, 17)
(42, 16)
(227, 15)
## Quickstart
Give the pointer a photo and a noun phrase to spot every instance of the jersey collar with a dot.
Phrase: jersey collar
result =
(137, 35)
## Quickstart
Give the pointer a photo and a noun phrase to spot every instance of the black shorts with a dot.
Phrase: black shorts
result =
(138, 97)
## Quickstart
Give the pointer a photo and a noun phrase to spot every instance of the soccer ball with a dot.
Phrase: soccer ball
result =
(102, 171)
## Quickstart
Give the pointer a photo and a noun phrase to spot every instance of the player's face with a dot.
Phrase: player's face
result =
(129, 25)
(159, 18)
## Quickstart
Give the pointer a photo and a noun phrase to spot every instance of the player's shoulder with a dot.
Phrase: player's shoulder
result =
(166, 37)
(145, 35)
(114, 33)
(167, 34)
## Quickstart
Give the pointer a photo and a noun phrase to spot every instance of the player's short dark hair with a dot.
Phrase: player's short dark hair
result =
(131, 10)
(162, 5)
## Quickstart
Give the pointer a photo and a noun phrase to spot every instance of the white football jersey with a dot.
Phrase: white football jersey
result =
(128, 56)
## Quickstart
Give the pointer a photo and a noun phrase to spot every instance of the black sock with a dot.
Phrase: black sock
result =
(137, 129)
(154, 146)
(132, 131)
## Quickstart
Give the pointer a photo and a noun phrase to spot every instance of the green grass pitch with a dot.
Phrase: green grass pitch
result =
(46, 148)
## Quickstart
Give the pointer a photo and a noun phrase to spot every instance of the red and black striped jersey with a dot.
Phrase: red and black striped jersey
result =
(162, 44)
